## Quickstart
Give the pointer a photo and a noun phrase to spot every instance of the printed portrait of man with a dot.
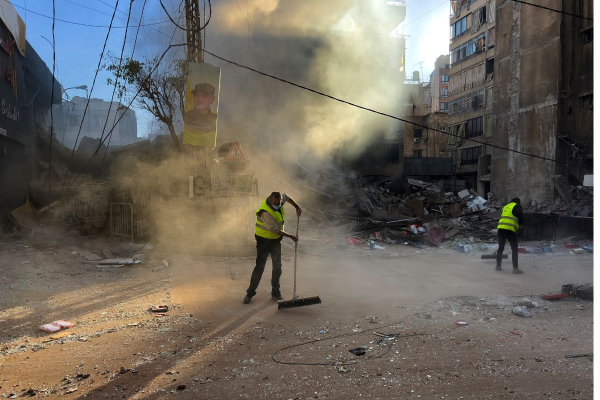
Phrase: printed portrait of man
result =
(200, 123)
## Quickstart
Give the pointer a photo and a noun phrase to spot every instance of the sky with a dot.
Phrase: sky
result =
(78, 47)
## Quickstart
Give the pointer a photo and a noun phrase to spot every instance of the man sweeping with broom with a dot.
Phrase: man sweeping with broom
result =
(269, 231)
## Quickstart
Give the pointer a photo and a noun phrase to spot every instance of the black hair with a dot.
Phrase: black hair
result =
(275, 194)
(516, 200)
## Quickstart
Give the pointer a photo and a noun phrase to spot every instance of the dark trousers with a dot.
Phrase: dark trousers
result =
(264, 248)
(503, 236)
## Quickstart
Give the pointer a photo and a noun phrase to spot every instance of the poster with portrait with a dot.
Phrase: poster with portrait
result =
(201, 105)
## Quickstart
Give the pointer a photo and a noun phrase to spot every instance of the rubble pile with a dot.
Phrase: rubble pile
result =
(401, 210)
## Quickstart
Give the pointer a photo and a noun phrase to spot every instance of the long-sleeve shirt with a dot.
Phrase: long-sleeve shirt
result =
(268, 220)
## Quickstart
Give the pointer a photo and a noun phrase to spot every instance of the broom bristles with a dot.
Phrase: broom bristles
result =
(307, 301)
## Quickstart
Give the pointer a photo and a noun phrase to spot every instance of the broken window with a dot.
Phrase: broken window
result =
(489, 66)
(588, 35)
(417, 153)
(471, 155)
(418, 133)
(474, 127)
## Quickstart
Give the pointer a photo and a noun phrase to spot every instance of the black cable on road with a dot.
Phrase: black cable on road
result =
(350, 361)
(552, 9)
(375, 111)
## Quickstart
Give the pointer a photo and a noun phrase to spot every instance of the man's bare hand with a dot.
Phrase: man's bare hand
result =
(294, 238)
(298, 211)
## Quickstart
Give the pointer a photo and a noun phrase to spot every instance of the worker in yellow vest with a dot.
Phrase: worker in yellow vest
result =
(270, 217)
(511, 222)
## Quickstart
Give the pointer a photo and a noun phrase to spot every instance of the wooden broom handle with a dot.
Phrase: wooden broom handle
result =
(296, 252)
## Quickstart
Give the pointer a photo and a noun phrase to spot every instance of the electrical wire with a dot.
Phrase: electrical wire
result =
(52, 97)
(375, 111)
(80, 23)
(112, 97)
(352, 361)
(91, 91)
(553, 10)
(117, 122)
(181, 27)
(138, 28)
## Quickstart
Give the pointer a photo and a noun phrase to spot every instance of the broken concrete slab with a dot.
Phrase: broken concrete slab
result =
(464, 193)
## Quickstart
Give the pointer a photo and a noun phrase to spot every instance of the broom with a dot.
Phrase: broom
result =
(296, 301)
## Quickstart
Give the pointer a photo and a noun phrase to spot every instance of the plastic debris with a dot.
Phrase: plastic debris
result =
(522, 311)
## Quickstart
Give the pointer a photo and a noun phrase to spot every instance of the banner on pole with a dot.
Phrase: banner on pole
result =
(201, 105)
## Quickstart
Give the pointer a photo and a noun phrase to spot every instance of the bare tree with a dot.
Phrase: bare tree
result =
(161, 93)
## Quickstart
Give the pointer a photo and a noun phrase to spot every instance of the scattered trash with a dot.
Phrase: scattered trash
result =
(352, 241)
(160, 308)
(462, 323)
(359, 351)
(50, 328)
(589, 249)
(343, 370)
(323, 331)
(56, 326)
(527, 303)
(588, 355)
(522, 311)
(555, 296)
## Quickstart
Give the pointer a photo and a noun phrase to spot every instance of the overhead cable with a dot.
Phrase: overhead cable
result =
(372, 110)
(52, 97)
(553, 10)
(91, 91)
(181, 27)
(80, 23)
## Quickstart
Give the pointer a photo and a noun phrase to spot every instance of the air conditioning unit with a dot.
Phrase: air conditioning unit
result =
(416, 140)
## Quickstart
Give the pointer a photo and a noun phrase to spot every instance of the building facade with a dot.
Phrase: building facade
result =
(544, 102)
(99, 119)
(439, 84)
(470, 88)
(26, 91)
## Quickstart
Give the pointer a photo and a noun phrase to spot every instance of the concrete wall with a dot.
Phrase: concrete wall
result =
(431, 143)
(534, 75)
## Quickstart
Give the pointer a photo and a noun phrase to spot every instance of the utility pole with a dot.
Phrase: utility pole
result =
(194, 34)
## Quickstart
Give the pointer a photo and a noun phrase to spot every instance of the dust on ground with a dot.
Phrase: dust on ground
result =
(402, 303)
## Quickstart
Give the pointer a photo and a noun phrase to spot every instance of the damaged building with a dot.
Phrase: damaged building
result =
(544, 105)
(26, 94)
(470, 89)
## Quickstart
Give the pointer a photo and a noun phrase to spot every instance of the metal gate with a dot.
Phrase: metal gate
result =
(121, 220)
(130, 214)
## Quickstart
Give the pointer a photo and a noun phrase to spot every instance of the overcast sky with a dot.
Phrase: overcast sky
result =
(78, 47)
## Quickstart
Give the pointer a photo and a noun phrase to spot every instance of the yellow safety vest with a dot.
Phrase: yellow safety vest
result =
(260, 226)
(507, 219)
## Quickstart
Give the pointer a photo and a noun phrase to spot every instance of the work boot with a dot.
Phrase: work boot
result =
(278, 297)
(498, 268)
(247, 299)
(517, 271)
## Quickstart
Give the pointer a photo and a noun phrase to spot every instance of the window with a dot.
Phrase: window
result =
(458, 28)
(417, 153)
(588, 35)
(473, 46)
(443, 93)
(471, 155)
(444, 106)
(474, 127)
(444, 78)
(99, 121)
(418, 133)
(489, 66)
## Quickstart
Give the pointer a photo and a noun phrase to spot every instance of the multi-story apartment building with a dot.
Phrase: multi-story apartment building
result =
(544, 99)
(470, 89)
(99, 120)
(438, 81)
